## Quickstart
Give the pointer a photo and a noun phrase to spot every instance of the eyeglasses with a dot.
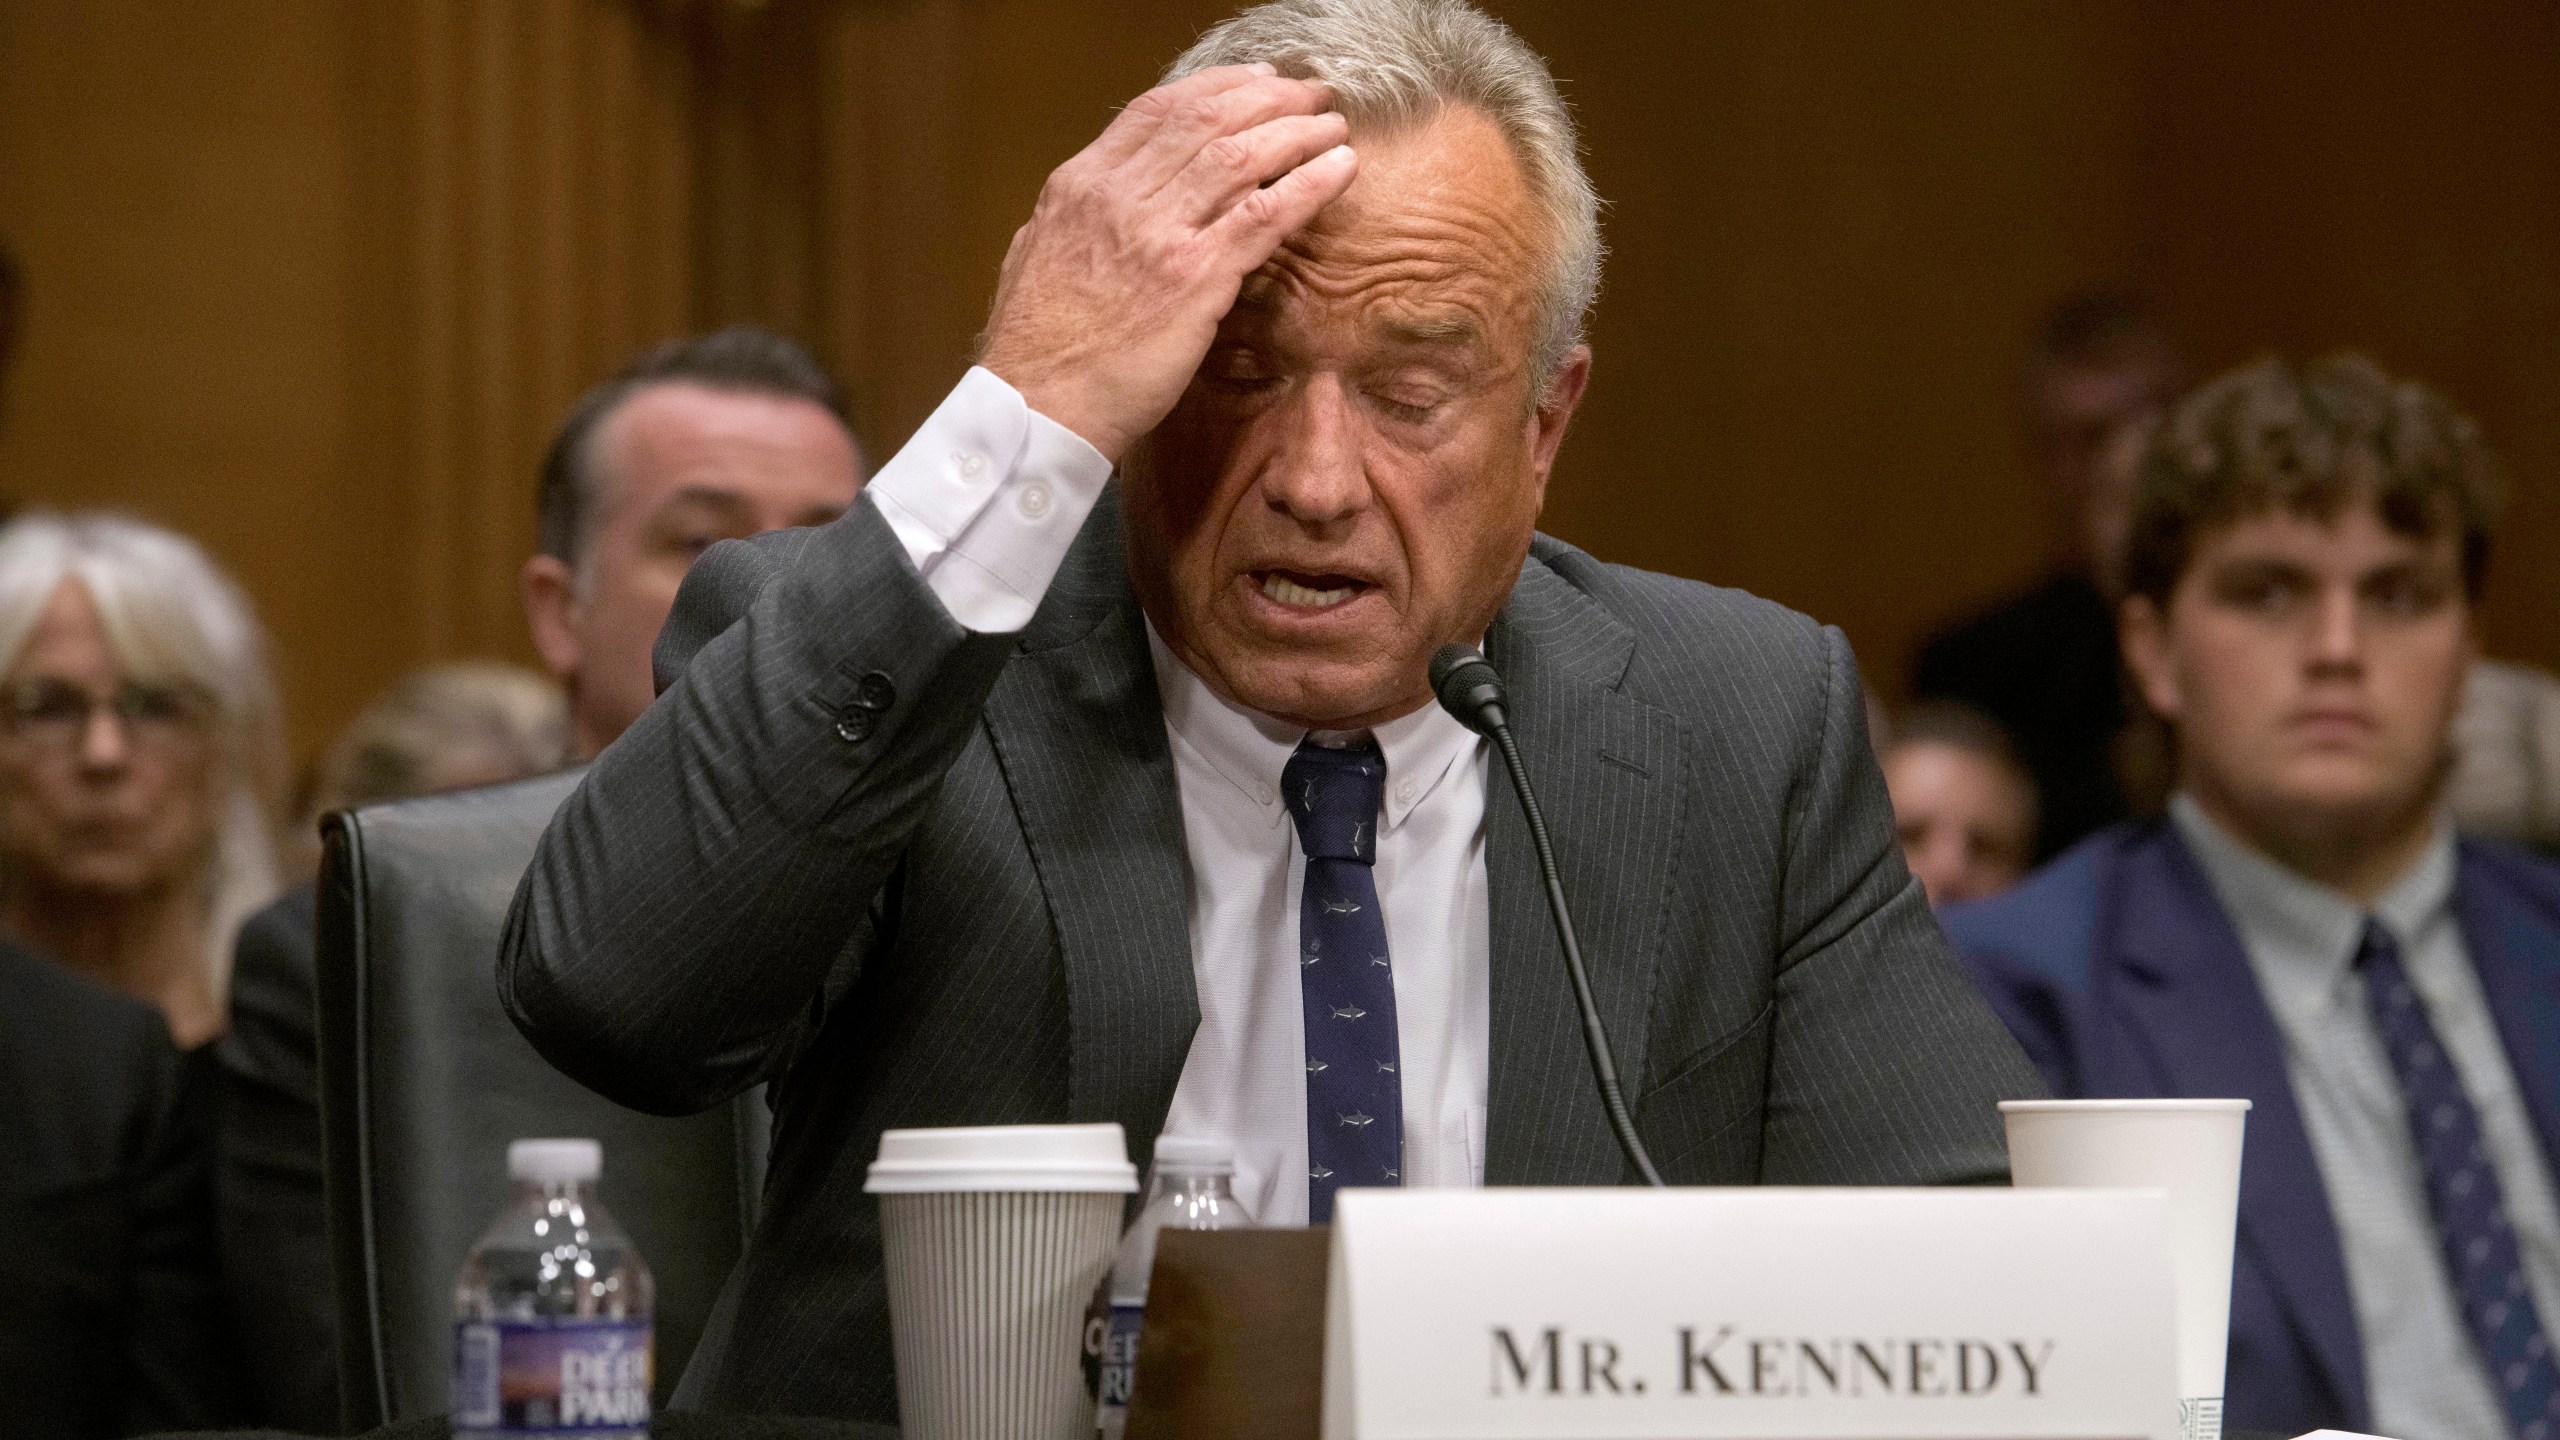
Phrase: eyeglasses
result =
(56, 714)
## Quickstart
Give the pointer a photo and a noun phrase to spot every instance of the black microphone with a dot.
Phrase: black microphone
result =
(1470, 689)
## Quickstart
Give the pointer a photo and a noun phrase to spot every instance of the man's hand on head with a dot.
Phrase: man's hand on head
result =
(1112, 292)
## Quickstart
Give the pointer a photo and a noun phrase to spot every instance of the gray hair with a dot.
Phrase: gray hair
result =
(1393, 64)
(171, 615)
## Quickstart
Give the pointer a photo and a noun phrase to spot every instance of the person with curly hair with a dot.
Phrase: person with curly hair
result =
(2305, 928)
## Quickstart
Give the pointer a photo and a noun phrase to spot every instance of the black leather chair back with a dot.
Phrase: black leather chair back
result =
(424, 1080)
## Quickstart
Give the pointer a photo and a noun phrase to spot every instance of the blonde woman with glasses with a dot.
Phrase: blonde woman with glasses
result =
(139, 760)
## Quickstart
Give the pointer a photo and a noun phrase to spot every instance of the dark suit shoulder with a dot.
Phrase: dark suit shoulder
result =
(73, 1031)
(274, 985)
(2045, 926)
(89, 1074)
(1693, 637)
(2515, 874)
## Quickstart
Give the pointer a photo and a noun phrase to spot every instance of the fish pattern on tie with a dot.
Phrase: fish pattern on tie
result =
(1346, 979)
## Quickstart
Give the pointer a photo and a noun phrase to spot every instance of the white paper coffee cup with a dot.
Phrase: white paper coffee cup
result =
(2189, 1148)
(994, 1238)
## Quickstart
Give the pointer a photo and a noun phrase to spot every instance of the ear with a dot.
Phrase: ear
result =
(550, 593)
(2142, 632)
(1555, 412)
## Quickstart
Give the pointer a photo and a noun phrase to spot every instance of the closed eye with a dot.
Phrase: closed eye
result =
(1411, 411)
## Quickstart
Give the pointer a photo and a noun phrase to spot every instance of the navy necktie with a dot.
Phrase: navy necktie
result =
(2462, 1189)
(1355, 1098)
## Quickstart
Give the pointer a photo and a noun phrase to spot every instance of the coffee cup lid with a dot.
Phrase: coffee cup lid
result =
(1003, 1157)
(2172, 1105)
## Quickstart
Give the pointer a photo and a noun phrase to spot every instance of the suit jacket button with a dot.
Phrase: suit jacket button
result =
(854, 728)
(875, 692)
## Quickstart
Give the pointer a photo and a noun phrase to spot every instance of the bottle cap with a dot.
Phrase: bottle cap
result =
(554, 1160)
(1195, 1153)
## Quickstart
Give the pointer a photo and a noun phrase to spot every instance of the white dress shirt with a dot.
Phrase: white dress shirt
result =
(986, 498)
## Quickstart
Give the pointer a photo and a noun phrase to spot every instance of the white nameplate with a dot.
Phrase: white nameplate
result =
(1759, 1314)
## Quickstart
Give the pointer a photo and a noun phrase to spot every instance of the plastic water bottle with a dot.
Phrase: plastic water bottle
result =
(1193, 1189)
(551, 1328)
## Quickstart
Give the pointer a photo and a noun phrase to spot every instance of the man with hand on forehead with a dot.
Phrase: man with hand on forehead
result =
(1022, 794)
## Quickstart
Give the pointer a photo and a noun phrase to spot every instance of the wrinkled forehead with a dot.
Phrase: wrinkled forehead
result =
(1438, 240)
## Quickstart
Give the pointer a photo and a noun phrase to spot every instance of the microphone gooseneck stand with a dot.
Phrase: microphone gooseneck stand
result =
(1471, 690)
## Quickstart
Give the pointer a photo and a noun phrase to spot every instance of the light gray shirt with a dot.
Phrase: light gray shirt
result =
(2423, 1371)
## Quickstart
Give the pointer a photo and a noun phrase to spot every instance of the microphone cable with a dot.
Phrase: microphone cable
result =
(1470, 689)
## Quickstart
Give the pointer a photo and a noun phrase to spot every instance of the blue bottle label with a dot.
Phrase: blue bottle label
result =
(588, 1378)
(1119, 1368)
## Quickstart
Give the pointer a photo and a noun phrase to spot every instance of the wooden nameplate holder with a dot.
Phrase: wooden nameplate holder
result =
(1233, 1346)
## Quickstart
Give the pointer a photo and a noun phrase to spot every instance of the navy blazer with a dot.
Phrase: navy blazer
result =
(2119, 973)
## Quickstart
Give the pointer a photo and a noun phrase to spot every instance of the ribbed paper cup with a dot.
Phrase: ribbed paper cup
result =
(995, 1237)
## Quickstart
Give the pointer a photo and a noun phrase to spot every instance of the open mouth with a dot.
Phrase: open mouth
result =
(1307, 592)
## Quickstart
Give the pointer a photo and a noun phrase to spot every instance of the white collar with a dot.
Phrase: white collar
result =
(1249, 749)
(2304, 918)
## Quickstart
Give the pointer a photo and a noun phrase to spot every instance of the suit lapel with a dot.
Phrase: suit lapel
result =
(1079, 732)
(2511, 941)
(1607, 769)
(2199, 1027)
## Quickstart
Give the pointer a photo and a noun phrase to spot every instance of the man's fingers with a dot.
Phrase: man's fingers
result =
(1249, 232)
(1233, 166)
(1139, 120)
(1202, 120)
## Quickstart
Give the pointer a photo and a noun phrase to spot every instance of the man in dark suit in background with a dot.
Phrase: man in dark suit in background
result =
(108, 1313)
(2305, 930)
(702, 439)
(1002, 799)
(2043, 664)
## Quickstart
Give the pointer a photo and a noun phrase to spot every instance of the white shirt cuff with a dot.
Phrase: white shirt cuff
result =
(987, 497)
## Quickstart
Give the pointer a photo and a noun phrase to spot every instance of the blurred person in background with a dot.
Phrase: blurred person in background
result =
(107, 1289)
(1965, 807)
(704, 440)
(138, 758)
(2506, 749)
(140, 746)
(2305, 929)
(710, 438)
(2043, 664)
(453, 726)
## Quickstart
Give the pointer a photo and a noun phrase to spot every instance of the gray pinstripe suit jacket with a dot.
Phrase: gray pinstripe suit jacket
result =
(974, 914)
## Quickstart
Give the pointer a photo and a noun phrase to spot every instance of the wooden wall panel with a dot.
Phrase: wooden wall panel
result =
(175, 179)
(1831, 228)
(314, 280)
(529, 174)
(2384, 177)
